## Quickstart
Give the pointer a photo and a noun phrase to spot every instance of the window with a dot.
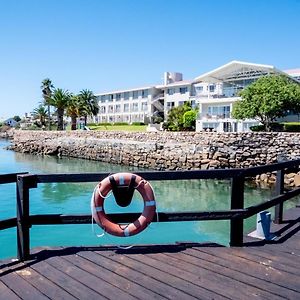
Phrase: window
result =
(102, 109)
(199, 89)
(126, 107)
(118, 97)
(103, 98)
(135, 107)
(171, 91)
(135, 94)
(212, 88)
(170, 105)
(220, 111)
(144, 106)
(183, 90)
(110, 108)
(144, 93)
(126, 95)
(118, 108)
(111, 97)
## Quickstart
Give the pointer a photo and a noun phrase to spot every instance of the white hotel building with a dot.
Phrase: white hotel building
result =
(214, 93)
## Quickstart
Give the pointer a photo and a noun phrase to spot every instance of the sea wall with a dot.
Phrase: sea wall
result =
(164, 150)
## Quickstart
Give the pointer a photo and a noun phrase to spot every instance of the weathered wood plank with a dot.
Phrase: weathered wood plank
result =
(89, 280)
(43, 284)
(274, 290)
(6, 293)
(21, 287)
(113, 278)
(122, 267)
(205, 278)
(66, 282)
(183, 286)
(257, 269)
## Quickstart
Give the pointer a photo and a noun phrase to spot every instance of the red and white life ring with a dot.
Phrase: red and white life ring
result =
(123, 179)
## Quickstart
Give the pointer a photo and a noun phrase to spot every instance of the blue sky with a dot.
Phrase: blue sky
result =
(115, 44)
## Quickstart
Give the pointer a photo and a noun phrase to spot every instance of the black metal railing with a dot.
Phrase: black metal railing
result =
(236, 214)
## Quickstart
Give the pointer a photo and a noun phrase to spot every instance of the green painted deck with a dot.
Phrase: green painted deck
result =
(259, 270)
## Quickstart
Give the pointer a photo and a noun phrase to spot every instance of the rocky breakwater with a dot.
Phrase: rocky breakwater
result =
(165, 150)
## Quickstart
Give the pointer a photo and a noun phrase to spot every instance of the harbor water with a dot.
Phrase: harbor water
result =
(74, 198)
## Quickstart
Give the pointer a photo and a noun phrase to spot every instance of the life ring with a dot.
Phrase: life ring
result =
(123, 180)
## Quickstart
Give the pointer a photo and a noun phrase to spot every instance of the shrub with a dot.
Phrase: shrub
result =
(121, 123)
(273, 126)
(137, 123)
(292, 127)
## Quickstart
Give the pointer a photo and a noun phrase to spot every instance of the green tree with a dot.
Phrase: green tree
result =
(40, 113)
(189, 119)
(175, 119)
(88, 104)
(73, 110)
(268, 98)
(47, 88)
(60, 100)
(17, 118)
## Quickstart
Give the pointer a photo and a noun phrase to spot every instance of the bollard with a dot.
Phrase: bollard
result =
(263, 224)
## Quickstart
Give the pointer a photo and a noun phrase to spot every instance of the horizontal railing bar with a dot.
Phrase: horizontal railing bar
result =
(148, 175)
(56, 219)
(252, 210)
(8, 223)
(10, 178)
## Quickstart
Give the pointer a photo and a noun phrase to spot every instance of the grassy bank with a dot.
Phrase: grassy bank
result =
(132, 128)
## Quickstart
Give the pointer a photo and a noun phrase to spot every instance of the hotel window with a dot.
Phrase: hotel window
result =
(126, 95)
(170, 105)
(171, 91)
(183, 90)
(103, 98)
(111, 97)
(118, 97)
(144, 106)
(102, 109)
(126, 107)
(110, 108)
(118, 108)
(199, 89)
(212, 88)
(135, 94)
(135, 107)
(144, 93)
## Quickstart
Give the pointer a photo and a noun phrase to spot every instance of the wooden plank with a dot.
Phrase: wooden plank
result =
(187, 288)
(119, 265)
(205, 278)
(89, 280)
(187, 260)
(115, 279)
(268, 259)
(6, 293)
(66, 282)
(44, 285)
(256, 269)
(21, 287)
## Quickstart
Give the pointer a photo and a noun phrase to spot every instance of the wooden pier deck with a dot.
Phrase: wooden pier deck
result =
(259, 270)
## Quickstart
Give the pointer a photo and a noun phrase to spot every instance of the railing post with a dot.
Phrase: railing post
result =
(237, 202)
(23, 224)
(279, 190)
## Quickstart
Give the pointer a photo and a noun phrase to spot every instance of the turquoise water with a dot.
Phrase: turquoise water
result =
(185, 195)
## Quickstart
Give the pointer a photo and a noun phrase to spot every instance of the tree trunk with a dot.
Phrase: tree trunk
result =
(60, 119)
(73, 122)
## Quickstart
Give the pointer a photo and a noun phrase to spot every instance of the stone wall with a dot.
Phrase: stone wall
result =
(164, 150)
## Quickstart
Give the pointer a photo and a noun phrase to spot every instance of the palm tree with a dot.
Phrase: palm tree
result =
(60, 99)
(89, 104)
(41, 114)
(73, 110)
(47, 87)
